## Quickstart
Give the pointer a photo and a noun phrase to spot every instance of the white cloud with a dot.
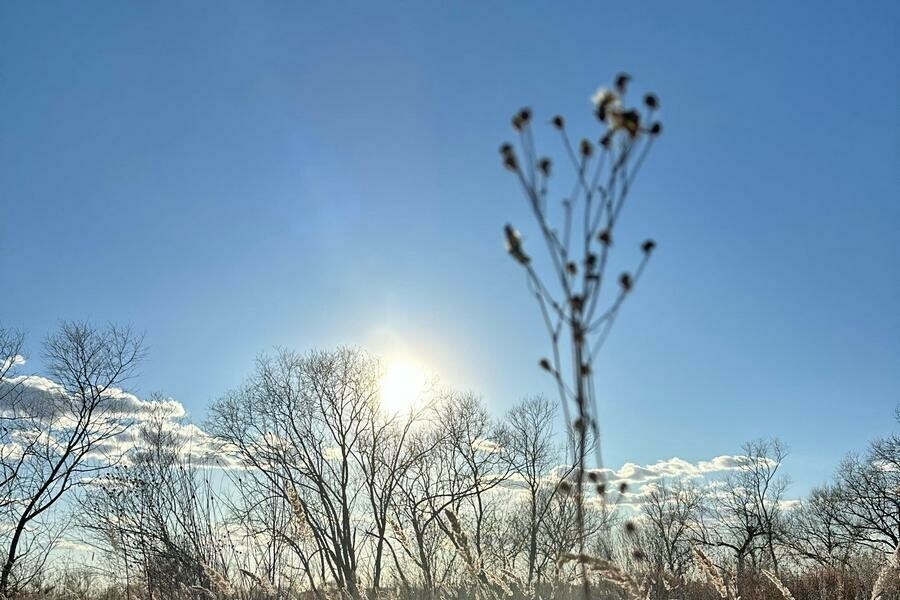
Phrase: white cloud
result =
(790, 504)
(43, 398)
(41, 402)
(488, 446)
(332, 453)
(11, 361)
(640, 480)
(672, 468)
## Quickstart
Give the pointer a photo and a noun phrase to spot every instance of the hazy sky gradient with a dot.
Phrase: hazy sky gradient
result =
(232, 176)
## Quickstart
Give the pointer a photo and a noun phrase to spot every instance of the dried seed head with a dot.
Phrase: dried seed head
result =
(509, 157)
(656, 128)
(571, 268)
(606, 140)
(521, 119)
(651, 101)
(626, 282)
(604, 101)
(623, 487)
(514, 245)
(601, 489)
(638, 555)
(630, 527)
(593, 477)
(545, 365)
(605, 237)
(544, 165)
(576, 302)
(622, 80)
(565, 487)
(648, 246)
(630, 121)
(558, 122)
(586, 148)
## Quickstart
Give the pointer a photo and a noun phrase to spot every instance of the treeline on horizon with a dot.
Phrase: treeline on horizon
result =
(299, 485)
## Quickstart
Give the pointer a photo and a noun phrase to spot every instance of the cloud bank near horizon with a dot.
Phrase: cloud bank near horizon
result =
(41, 407)
(41, 399)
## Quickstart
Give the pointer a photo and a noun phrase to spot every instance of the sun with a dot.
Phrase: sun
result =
(401, 387)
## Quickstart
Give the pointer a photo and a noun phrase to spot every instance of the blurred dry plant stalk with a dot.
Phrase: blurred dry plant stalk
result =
(578, 303)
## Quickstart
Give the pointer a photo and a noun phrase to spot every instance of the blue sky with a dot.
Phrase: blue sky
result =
(232, 176)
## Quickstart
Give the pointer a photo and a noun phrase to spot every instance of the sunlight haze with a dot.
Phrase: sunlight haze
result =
(233, 208)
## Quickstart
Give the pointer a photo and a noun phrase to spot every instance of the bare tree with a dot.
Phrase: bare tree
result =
(816, 533)
(300, 422)
(61, 431)
(425, 491)
(869, 488)
(816, 530)
(460, 466)
(671, 512)
(477, 459)
(12, 454)
(12, 343)
(566, 528)
(747, 511)
(385, 455)
(533, 452)
(265, 525)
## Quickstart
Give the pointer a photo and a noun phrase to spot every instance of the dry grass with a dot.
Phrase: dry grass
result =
(785, 592)
(889, 576)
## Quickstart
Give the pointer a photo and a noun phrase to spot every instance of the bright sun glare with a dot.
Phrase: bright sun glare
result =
(401, 387)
